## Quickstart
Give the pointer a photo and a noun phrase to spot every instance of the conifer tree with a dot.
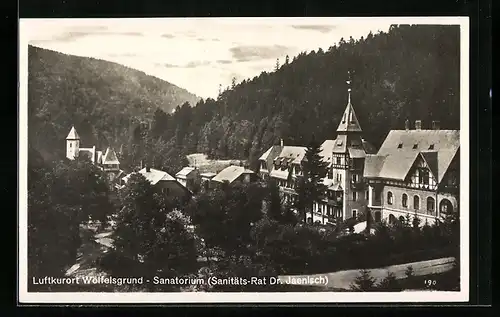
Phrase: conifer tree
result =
(389, 283)
(311, 188)
(364, 282)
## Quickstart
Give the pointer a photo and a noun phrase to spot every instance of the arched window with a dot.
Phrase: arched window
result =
(431, 205)
(402, 219)
(390, 198)
(392, 219)
(445, 206)
(405, 200)
(416, 202)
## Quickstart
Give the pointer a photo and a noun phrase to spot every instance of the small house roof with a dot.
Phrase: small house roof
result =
(231, 173)
(184, 172)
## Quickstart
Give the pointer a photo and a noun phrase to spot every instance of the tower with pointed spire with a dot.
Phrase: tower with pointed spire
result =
(72, 144)
(107, 161)
(348, 155)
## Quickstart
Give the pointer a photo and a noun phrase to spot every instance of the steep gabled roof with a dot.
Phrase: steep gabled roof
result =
(349, 121)
(110, 157)
(72, 135)
(401, 148)
(295, 154)
(327, 150)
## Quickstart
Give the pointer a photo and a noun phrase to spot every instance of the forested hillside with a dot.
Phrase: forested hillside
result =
(411, 72)
(101, 98)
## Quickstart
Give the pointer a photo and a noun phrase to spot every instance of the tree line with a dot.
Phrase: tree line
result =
(411, 72)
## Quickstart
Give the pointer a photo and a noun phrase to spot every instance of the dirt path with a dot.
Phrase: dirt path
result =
(343, 279)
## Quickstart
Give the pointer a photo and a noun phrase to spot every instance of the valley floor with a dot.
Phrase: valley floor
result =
(97, 243)
(342, 280)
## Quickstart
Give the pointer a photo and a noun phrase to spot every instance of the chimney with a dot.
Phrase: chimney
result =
(407, 125)
(435, 125)
(281, 142)
(418, 124)
(148, 167)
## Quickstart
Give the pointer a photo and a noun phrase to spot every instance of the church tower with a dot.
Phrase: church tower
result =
(72, 144)
(348, 157)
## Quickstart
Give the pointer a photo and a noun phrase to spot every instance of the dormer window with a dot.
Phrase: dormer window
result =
(400, 145)
(431, 147)
(343, 119)
(415, 146)
(339, 143)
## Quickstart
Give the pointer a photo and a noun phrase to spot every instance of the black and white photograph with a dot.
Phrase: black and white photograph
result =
(206, 160)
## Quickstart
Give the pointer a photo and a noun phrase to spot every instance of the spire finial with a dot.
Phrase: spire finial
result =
(348, 81)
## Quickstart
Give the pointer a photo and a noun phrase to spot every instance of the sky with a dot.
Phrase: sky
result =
(196, 54)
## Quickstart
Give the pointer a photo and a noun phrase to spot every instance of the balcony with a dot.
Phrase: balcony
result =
(334, 202)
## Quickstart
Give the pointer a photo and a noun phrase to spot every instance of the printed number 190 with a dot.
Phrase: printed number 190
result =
(430, 282)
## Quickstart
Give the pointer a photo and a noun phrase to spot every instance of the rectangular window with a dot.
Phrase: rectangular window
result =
(354, 196)
(354, 213)
(338, 160)
(424, 173)
(355, 178)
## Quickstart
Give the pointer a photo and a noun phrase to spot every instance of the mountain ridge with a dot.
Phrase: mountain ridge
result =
(101, 98)
(411, 72)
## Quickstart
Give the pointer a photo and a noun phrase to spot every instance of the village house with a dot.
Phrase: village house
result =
(346, 195)
(166, 183)
(188, 177)
(107, 161)
(415, 172)
(233, 174)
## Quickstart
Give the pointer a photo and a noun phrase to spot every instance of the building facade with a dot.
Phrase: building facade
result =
(346, 195)
(415, 173)
(189, 177)
(107, 161)
(164, 182)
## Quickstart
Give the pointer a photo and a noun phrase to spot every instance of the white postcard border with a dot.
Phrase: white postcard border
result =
(26, 297)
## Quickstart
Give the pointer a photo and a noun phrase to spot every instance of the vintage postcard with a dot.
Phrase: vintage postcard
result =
(219, 160)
